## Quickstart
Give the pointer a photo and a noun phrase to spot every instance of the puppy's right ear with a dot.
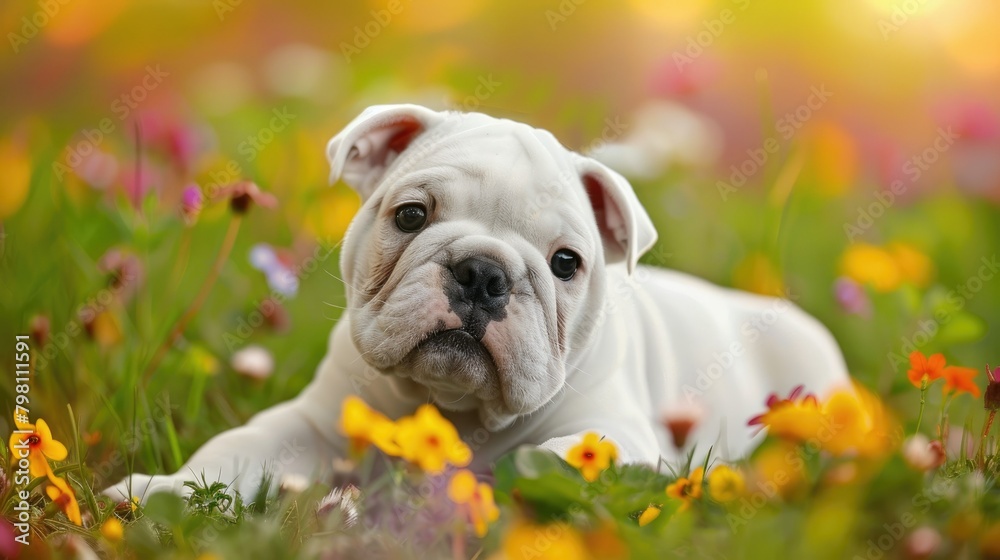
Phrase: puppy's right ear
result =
(367, 146)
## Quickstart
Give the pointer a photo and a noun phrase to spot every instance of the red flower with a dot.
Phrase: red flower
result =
(924, 369)
(959, 380)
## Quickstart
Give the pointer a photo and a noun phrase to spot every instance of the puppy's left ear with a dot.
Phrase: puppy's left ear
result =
(364, 150)
(624, 224)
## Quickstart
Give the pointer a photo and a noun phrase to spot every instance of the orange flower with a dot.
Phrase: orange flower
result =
(592, 455)
(62, 495)
(959, 380)
(924, 369)
(475, 498)
(38, 443)
(687, 489)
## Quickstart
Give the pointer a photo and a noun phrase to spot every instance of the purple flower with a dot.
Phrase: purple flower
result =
(191, 203)
(280, 276)
(851, 297)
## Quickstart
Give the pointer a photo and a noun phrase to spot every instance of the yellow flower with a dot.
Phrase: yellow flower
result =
(37, 445)
(604, 542)
(199, 361)
(798, 421)
(431, 442)
(555, 541)
(62, 495)
(648, 515)
(871, 265)
(914, 266)
(757, 273)
(833, 157)
(16, 163)
(364, 426)
(886, 268)
(850, 421)
(725, 484)
(592, 455)
(779, 466)
(475, 498)
(857, 423)
(687, 489)
(112, 529)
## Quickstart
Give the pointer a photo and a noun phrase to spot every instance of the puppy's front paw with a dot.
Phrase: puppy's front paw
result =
(561, 445)
(143, 486)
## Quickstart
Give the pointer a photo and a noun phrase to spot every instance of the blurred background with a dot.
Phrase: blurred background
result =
(845, 154)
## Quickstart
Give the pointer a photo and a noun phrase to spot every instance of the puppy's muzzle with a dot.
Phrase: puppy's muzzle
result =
(479, 294)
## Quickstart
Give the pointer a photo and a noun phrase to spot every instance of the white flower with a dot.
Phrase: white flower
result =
(345, 499)
(661, 134)
(294, 484)
(254, 362)
(923, 542)
(923, 454)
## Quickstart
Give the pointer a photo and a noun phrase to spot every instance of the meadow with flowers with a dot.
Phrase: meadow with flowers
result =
(169, 266)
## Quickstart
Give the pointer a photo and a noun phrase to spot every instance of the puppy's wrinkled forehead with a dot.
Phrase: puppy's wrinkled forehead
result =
(495, 171)
(509, 167)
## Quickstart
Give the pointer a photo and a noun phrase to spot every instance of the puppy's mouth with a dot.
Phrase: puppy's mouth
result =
(453, 362)
(454, 340)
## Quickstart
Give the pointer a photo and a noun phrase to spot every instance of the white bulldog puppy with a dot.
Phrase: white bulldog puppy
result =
(493, 272)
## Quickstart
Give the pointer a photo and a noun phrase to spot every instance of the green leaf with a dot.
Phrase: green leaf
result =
(960, 328)
(533, 462)
(165, 508)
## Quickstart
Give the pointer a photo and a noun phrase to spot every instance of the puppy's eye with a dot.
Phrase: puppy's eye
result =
(411, 217)
(564, 264)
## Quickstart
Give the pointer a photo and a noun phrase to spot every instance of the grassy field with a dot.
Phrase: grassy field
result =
(137, 290)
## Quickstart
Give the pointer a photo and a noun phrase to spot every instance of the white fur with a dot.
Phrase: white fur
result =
(609, 351)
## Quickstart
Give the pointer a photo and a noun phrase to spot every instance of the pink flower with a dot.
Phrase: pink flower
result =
(852, 297)
(124, 270)
(191, 203)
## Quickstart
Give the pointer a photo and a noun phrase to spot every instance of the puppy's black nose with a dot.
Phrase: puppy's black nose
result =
(483, 283)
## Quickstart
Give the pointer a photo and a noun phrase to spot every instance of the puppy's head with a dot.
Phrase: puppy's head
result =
(475, 267)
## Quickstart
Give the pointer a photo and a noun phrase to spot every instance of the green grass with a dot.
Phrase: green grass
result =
(114, 419)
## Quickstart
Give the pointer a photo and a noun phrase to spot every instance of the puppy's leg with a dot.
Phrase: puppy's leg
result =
(605, 411)
(281, 441)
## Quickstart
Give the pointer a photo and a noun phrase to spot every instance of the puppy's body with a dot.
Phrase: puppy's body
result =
(471, 312)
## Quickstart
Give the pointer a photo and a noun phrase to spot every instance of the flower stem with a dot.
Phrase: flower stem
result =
(923, 401)
(981, 455)
(199, 300)
(458, 542)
